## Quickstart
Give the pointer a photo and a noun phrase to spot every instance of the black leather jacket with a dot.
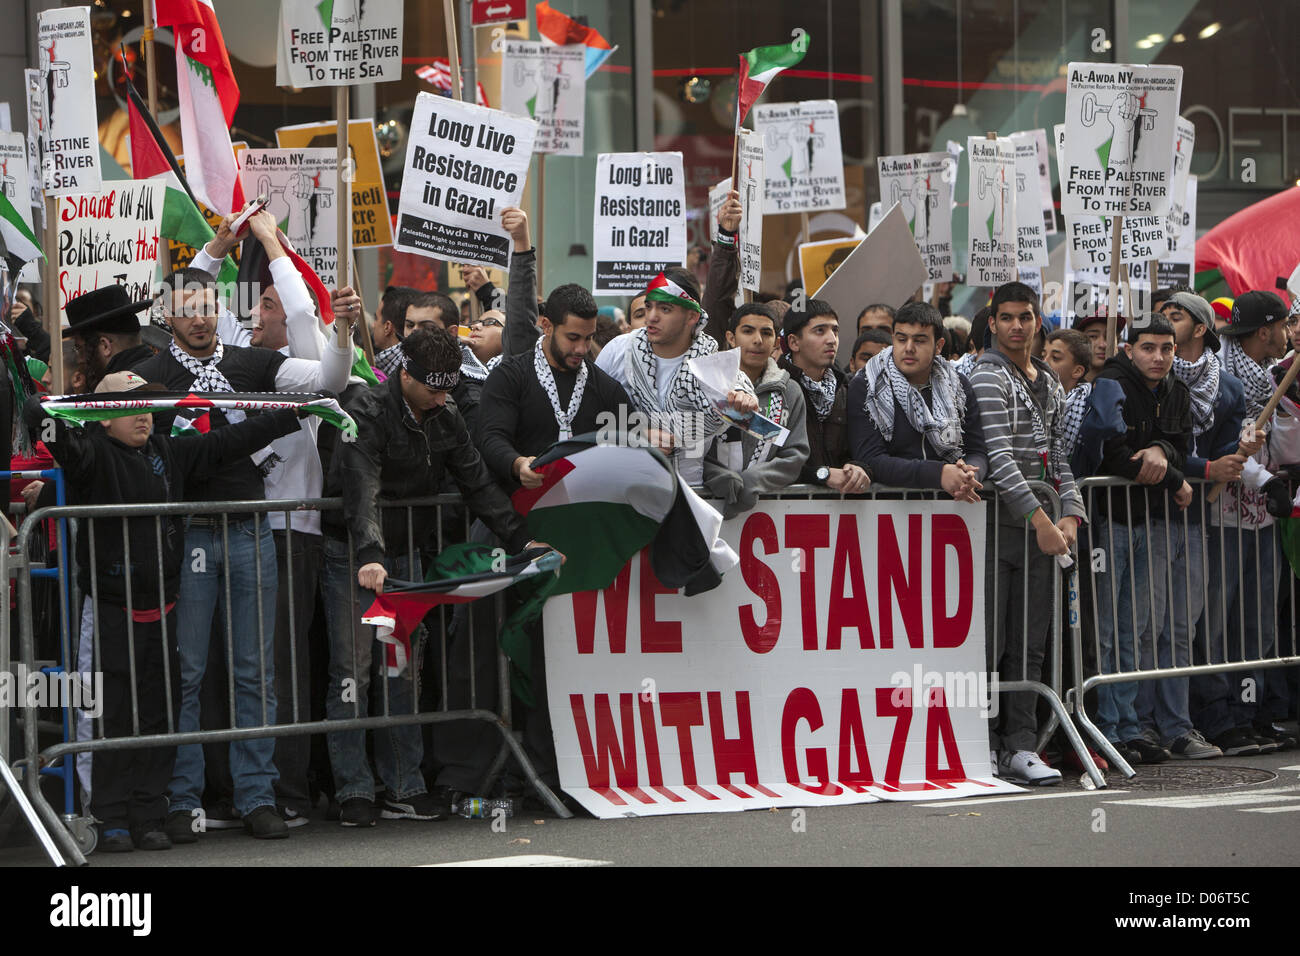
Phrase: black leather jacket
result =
(394, 459)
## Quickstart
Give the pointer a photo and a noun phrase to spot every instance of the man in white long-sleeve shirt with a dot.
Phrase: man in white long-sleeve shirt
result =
(199, 360)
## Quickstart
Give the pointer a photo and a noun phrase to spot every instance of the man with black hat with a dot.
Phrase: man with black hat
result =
(408, 439)
(1253, 340)
(105, 330)
(811, 337)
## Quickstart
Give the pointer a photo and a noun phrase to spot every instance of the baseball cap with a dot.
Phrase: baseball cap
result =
(1200, 311)
(1222, 307)
(1081, 322)
(120, 382)
(1252, 311)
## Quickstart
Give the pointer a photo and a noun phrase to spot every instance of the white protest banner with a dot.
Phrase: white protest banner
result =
(885, 267)
(805, 166)
(1120, 121)
(16, 185)
(300, 186)
(6, 119)
(1184, 144)
(338, 42)
(922, 184)
(853, 676)
(547, 83)
(34, 84)
(717, 197)
(70, 163)
(991, 210)
(1044, 179)
(370, 223)
(1031, 236)
(464, 164)
(751, 203)
(110, 237)
(1176, 267)
(640, 220)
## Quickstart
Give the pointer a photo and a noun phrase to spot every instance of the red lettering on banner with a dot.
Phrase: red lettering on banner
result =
(848, 610)
(734, 754)
(807, 533)
(893, 583)
(802, 705)
(596, 760)
(938, 731)
(895, 702)
(950, 531)
(760, 579)
(654, 771)
(584, 614)
(657, 637)
(853, 742)
(683, 711)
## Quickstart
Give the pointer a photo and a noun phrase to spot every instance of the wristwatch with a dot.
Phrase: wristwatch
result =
(823, 475)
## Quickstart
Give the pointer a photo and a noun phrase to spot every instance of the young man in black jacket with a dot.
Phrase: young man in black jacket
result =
(124, 462)
(912, 416)
(408, 437)
(1135, 526)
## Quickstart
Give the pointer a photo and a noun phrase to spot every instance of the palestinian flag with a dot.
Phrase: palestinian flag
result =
(663, 289)
(200, 424)
(562, 30)
(152, 158)
(600, 504)
(209, 97)
(460, 574)
(18, 244)
(99, 406)
(760, 66)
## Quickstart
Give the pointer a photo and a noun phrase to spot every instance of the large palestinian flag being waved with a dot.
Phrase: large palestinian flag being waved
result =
(602, 503)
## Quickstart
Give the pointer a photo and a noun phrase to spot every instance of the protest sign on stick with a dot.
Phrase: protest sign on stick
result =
(751, 184)
(371, 226)
(991, 225)
(805, 165)
(640, 220)
(1031, 236)
(338, 43)
(301, 188)
(71, 158)
(464, 164)
(107, 237)
(922, 185)
(547, 83)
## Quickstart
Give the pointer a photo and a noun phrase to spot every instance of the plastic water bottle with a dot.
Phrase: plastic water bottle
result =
(481, 808)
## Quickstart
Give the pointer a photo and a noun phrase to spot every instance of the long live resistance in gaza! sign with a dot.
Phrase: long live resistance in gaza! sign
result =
(639, 220)
(464, 164)
(841, 662)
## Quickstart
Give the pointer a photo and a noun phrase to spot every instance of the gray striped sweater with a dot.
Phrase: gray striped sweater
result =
(1014, 456)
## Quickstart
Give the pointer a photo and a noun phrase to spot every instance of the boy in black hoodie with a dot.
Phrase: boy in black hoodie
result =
(1134, 524)
(124, 462)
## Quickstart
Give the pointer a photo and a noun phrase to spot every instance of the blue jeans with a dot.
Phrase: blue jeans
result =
(1176, 564)
(250, 564)
(1123, 619)
(1241, 623)
(398, 750)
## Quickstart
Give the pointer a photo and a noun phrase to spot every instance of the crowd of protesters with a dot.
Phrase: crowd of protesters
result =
(266, 628)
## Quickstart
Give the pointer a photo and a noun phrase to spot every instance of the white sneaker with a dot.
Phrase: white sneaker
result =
(1024, 766)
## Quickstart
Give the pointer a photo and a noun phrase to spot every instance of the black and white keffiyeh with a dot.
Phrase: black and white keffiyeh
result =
(207, 374)
(775, 409)
(1202, 380)
(690, 414)
(1254, 377)
(1076, 405)
(389, 360)
(940, 424)
(821, 394)
(470, 366)
(563, 416)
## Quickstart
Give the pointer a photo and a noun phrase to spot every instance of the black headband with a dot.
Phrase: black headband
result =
(440, 381)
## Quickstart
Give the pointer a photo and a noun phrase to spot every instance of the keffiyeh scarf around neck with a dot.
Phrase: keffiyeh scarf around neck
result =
(821, 394)
(1258, 383)
(1202, 380)
(941, 425)
(692, 417)
(563, 416)
(1076, 406)
(207, 375)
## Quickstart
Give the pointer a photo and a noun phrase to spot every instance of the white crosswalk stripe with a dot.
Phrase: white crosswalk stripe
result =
(526, 859)
(1238, 799)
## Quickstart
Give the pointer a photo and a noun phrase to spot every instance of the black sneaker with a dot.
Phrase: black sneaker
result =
(1236, 742)
(357, 812)
(265, 824)
(221, 816)
(1147, 751)
(1267, 745)
(114, 841)
(421, 806)
(292, 818)
(179, 827)
(152, 838)
(1278, 735)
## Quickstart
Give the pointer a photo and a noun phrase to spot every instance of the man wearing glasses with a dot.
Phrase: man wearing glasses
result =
(485, 337)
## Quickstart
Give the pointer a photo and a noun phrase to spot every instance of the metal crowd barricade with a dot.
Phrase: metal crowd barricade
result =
(1205, 553)
(1049, 687)
(93, 521)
